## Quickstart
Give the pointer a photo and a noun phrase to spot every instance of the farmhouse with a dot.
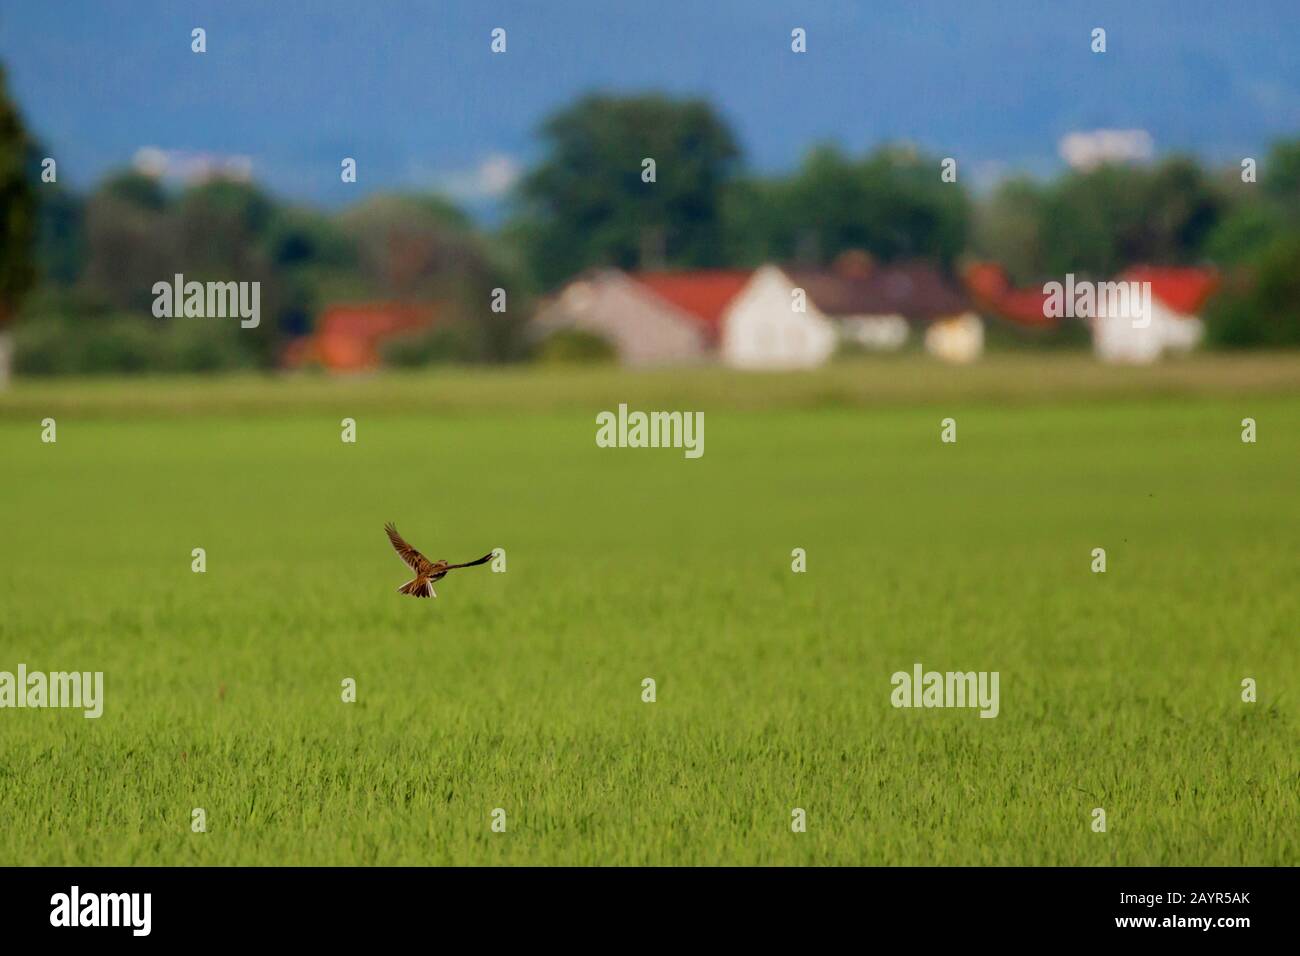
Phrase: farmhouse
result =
(774, 324)
(772, 318)
(650, 318)
(794, 317)
(880, 306)
(1140, 333)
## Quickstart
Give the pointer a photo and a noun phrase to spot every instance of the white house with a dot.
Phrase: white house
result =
(774, 324)
(1173, 296)
(796, 318)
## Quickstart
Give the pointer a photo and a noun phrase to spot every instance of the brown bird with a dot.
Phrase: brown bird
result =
(426, 571)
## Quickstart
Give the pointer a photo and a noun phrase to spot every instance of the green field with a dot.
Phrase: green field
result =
(522, 690)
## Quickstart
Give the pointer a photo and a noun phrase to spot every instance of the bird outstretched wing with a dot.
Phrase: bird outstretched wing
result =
(417, 562)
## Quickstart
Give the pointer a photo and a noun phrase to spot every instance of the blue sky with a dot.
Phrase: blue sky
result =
(412, 91)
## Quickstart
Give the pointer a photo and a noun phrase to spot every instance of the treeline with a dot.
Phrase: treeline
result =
(634, 182)
(100, 256)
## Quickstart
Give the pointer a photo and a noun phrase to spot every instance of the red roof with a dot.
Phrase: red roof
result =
(1026, 306)
(703, 294)
(348, 337)
(988, 284)
(1184, 290)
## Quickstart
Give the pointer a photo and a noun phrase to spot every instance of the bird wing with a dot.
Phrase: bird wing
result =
(417, 562)
(469, 564)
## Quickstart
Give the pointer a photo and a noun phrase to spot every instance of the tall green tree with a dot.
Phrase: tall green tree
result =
(589, 202)
(421, 247)
(1258, 246)
(1096, 223)
(131, 243)
(18, 212)
(1008, 229)
(892, 203)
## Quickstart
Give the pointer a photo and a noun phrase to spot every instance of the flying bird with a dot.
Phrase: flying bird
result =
(426, 571)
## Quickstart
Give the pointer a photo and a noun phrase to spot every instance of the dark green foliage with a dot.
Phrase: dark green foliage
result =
(1260, 308)
(18, 217)
(1099, 222)
(891, 203)
(454, 342)
(586, 203)
(570, 346)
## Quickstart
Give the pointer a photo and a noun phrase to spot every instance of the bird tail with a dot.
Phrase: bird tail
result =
(420, 587)
(469, 564)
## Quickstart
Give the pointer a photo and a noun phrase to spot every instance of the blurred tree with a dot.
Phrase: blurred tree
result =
(588, 202)
(1008, 228)
(575, 346)
(1280, 177)
(421, 248)
(61, 240)
(1259, 244)
(1244, 233)
(892, 203)
(412, 246)
(219, 231)
(137, 234)
(1260, 308)
(1183, 204)
(304, 238)
(130, 243)
(220, 227)
(1262, 212)
(18, 220)
(1098, 222)
(136, 189)
(317, 263)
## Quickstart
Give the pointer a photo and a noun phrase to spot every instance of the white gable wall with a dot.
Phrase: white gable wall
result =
(1116, 339)
(761, 329)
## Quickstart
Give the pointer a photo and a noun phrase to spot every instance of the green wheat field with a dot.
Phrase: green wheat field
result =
(523, 690)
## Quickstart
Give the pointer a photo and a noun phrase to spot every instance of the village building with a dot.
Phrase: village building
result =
(649, 318)
(1120, 328)
(794, 317)
(773, 324)
(349, 337)
(1177, 295)
(772, 318)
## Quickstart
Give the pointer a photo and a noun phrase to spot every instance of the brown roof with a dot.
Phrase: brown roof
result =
(916, 290)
